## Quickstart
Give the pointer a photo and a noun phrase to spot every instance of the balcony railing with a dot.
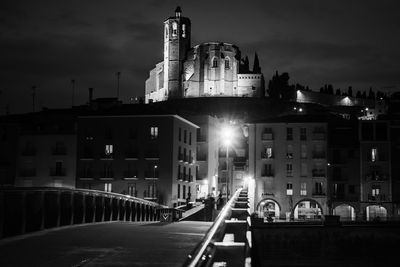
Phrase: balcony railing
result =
(131, 174)
(318, 155)
(266, 156)
(150, 195)
(267, 136)
(58, 172)
(27, 172)
(86, 174)
(376, 198)
(151, 174)
(107, 175)
(180, 156)
(318, 173)
(267, 174)
(59, 151)
(318, 194)
(318, 136)
(180, 176)
(29, 152)
(376, 177)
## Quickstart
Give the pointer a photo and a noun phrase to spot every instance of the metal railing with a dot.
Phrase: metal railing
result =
(205, 250)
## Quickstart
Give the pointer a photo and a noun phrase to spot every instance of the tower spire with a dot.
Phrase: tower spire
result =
(178, 12)
(256, 65)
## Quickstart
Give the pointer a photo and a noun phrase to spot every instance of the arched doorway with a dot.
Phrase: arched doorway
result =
(307, 209)
(345, 211)
(268, 208)
(376, 212)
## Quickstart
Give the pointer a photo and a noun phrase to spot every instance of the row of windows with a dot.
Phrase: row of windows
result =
(317, 171)
(149, 192)
(186, 140)
(184, 195)
(319, 133)
(185, 157)
(131, 134)
(318, 189)
(58, 148)
(214, 63)
(318, 152)
(249, 77)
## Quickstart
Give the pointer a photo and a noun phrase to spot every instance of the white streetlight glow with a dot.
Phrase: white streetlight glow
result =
(227, 135)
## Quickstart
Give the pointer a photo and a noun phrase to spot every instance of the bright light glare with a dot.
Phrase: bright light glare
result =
(227, 135)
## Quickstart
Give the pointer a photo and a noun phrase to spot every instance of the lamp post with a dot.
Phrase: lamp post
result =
(227, 134)
(154, 180)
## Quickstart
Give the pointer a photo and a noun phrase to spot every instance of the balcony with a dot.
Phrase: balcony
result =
(86, 175)
(318, 194)
(267, 136)
(190, 178)
(318, 155)
(377, 198)
(107, 156)
(318, 173)
(318, 136)
(151, 174)
(266, 156)
(133, 174)
(59, 151)
(107, 175)
(180, 157)
(376, 177)
(58, 172)
(29, 152)
(185, 158)
(201, 138)
(27, 172)
(180, 176)
(343, 197)
(201, 157)
(267, 174)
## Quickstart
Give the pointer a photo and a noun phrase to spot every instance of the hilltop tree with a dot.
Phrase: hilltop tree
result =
(371, 94)
(338, 91)
(350, 91)
(278, 86)
(358, 95)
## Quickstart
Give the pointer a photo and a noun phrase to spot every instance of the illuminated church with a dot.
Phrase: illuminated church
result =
(206, 70)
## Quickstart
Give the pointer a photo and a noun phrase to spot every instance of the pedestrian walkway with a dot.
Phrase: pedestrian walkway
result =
(106, 244)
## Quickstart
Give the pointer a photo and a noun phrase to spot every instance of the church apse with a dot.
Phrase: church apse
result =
(212, 69)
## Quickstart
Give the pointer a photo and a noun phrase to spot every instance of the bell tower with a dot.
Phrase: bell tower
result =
(176, 44)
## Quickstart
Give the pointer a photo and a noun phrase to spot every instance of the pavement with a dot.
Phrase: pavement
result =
(110, 244)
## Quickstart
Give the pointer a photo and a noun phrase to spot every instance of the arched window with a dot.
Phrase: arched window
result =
(227, 63)
(183, 30)
(174, 29)
(214, 62)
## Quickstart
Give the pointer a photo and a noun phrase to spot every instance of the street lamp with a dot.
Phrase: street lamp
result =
(226, 137)
(154, 180)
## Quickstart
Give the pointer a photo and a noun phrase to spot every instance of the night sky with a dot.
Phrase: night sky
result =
(48, 43)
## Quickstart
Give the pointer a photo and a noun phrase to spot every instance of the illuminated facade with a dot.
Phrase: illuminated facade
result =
(207, 69)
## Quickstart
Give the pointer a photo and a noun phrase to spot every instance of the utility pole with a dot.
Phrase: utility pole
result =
(33, 97)
(73, 92)
(118, 75)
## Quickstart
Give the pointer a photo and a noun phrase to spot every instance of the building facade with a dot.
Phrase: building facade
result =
(146, 156)
(288, 161)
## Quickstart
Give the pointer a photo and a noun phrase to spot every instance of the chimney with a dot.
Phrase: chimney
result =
(90, 95)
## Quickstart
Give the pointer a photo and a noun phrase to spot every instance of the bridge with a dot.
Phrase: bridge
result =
(103, 229)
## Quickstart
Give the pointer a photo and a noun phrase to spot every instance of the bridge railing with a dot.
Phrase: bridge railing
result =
(24, 210)
(205, 251)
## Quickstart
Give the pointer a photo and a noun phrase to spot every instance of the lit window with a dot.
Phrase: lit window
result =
(108, 150)
(132, 189)
(289, 170)
(269, 152)
(227, 63)
(183, 30)
(303, 189)
(153, 132)
(289, 152)
(174, 29)
(107, 187)
(215, 62)
(374, 154)
(376, 191)
(289, 189)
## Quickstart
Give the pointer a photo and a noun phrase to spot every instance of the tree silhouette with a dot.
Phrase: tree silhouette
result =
(278, 86)
(338, 91)
(371, 94)
(350, 91)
